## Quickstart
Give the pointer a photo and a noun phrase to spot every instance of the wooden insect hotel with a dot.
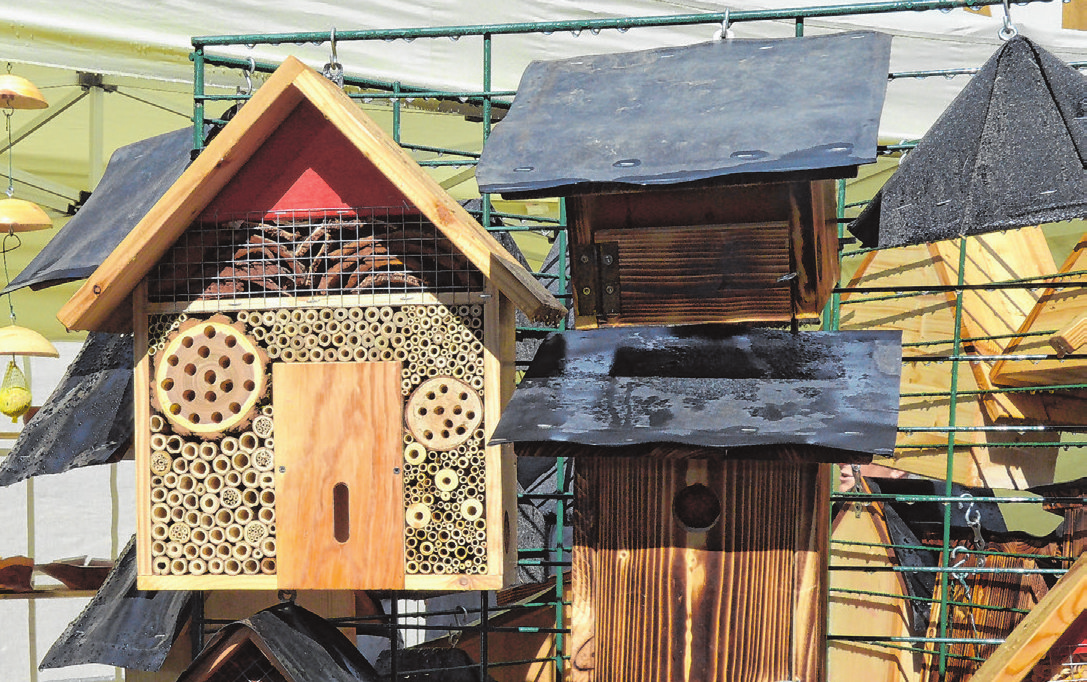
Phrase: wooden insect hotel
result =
(702, 473)
(324, 339)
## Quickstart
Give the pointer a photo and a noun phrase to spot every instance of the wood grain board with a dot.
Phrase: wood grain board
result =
(1039, 630)
(709, 254)
(1057, 309)
(705, 272)
(1012, 592)
(867, 615)
(339, 423)
(743, 600)
(982, 457)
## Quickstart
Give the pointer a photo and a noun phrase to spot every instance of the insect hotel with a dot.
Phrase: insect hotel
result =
(703, 451)
(324, 339)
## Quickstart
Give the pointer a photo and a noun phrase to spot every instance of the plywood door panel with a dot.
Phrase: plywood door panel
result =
(339, 423)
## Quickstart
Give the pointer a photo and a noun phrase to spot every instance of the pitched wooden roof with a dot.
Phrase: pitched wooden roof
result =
(1040, 630)
(103, 302)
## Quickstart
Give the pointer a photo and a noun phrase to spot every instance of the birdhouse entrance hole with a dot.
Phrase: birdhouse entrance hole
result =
(696, 507)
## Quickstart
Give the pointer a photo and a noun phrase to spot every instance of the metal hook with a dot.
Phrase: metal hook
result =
(248, 75)
(458, 626)
(1008, 31)
(725, 32)
(333, 70)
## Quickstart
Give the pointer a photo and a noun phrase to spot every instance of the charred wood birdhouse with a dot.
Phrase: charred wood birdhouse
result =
(701, 489)
(324, 339)
(698, 179)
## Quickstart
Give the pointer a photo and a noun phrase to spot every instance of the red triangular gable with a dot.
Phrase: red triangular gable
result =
(305, 165)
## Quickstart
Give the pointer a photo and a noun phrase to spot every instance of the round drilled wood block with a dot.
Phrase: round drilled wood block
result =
(209, 378)
(443, 413)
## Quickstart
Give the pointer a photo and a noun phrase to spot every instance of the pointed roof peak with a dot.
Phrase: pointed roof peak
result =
(1008, 152)
(102, 303)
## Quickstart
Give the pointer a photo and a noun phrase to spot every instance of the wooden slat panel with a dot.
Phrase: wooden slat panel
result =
(339, 423)
(930, 317)
(141, 435)
(723, 273)
(1056, 309)
(653, 601)
(864, 614)
(1074, 15)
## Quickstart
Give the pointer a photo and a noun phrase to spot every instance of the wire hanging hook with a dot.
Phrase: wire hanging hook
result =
(1008, 31)
(333, 70)
(248, 75)
(725, 32)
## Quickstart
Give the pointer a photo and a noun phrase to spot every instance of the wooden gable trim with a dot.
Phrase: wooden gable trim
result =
(1039, 631)
(107, 289)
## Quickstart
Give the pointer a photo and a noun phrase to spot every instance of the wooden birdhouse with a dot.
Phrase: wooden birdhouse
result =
(324, 339)
(699, 179)
(701, 488)
(284, 643)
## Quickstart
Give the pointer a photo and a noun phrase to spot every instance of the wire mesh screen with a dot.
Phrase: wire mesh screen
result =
(311, 253)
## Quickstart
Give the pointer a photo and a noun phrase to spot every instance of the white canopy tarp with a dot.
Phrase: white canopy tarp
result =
(153, 39)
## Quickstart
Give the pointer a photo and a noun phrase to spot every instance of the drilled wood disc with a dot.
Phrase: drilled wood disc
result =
(209, 378)
(443, 413)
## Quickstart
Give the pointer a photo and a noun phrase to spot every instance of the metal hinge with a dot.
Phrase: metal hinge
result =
(595, 275)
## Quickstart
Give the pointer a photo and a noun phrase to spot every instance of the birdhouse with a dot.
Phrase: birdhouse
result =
(701, 488)
(284, 643)
(699, 179)
(323, 341)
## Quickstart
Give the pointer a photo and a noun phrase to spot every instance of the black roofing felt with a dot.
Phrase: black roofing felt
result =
(706, 386)
(682, 114)
(1008, 152)
(135, 178)
(308, 647)
(88, 418)
(122, 626)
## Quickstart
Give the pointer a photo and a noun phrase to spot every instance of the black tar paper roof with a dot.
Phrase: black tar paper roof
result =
(134, 180)
(88, 418)
(682, 114)
(1008, 152)
(308, 647)
(123, 626)
(709, 387)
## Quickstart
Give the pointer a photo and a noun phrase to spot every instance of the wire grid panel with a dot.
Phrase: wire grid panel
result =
(364, 251)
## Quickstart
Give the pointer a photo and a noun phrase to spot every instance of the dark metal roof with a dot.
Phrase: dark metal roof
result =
(308, 647)
(88, 418)
(122, 626)
(1008, 152)
(683, 114)
(135, 178)
(709, 386)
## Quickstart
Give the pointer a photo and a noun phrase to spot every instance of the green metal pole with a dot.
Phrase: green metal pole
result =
(486, 217)
(949, 471)
(198, 101)
(396, 112)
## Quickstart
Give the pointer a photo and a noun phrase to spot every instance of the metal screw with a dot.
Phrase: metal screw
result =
(396, 470)
(608, 260)
(586, 291)
(584, 258)
(282, 470)
(609, 289)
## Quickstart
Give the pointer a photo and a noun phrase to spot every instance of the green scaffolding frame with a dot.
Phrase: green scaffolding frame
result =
(557, 558)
